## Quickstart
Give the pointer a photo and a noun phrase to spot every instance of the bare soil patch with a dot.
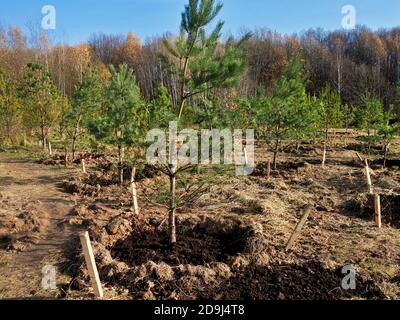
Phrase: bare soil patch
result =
(31, 231)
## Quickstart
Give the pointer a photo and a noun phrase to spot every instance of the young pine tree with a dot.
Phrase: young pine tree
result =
(86, 103)
(388, 130)
(370, 116)
(329, 113)
(41, 100)
(122, 123)
(201, 63)
(160, 109)
(287, 113)
(198, 59)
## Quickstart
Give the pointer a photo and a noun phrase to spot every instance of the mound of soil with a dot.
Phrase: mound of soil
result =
(389, 163)
(215, 258)
(89, 157)
(18, 231)
(363, 206)
(308, 281)
(56, 159)
(77, 186)
(200, 243)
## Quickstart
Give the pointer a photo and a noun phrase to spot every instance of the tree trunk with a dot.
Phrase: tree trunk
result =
(75, 136)
(171, 209)
(387, 145)
(182, 105)
(182, 89)
(269, 169)
(276, 150)
(369, 141)
(73, 148)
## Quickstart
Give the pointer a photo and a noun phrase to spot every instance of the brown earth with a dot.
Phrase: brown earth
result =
(231, 239)
(232, 235)
(31, 231)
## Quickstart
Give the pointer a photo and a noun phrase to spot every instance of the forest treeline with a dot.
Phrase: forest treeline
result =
(354, 68)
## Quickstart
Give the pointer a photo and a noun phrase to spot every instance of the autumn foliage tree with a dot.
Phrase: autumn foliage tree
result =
(10, 119)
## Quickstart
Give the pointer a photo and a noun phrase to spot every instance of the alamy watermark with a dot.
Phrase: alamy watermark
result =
(349, 21)
(349, 280)
(189, 146)
(49, 278)
(49, 20)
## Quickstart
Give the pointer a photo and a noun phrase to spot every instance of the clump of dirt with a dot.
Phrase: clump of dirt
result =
(215, 258)
(55, 159)
(77, 186)
(290, 281)
(89, 157)
(261, 169)
(363, 206)
(390, 163)
(19, 230)
(292, 165)
(231, 243)
(201, 242)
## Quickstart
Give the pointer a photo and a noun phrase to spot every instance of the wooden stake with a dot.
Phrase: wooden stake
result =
(91, 264)
(134, 192)
(50, 149)
(324, 157)
(66, 157)
(299, 226)
(359, 157)
(367, 173)
(83, 166)
(378, 211)
(268, 169)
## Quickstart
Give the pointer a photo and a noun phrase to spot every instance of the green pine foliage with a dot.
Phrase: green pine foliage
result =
(388, 129)
(86, 103)
(40, 100)
(369, 116)
(121, 124)
(197, 58)
(160, 111)
(329, 110)
(287, 113)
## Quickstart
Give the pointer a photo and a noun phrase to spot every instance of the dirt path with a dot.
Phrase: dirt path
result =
(24, 184)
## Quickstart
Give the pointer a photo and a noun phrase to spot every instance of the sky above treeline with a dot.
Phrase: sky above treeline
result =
(77, 20)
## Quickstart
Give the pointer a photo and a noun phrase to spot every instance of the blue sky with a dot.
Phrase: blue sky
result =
(76, 20)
